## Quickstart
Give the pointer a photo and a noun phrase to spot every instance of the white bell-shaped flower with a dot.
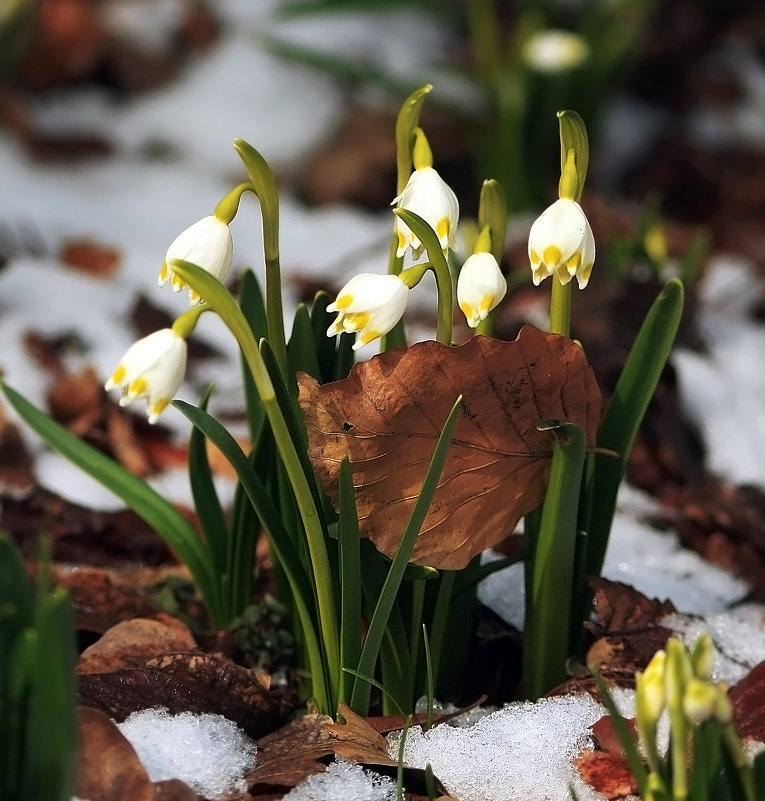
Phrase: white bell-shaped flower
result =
(430, 197)
(480, 287)
(208, 244)
(369, 305)
(561, 243)
(153, 368)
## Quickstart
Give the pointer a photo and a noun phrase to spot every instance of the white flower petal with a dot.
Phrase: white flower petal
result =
(369, 305)
(208, 244)
(429, 196)
(561, 243)
(152, 368)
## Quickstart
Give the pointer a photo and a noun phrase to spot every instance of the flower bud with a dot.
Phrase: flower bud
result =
(480, 287)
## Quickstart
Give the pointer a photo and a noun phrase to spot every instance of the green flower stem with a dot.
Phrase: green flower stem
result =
(221, 302)
(560, 307)
(677, 673)
(546, 637)
(740, 760)
(428, 237)
(227, 209)
(406, 123)
(185, 324)
(264, 186)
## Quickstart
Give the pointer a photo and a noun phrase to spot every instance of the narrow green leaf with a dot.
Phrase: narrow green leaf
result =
(321, 319)
(161, 515)
(436, 256)
(379, 620)
(293, 460)
(254, 311)
(52, 727)
(206, 502)
(492, 211)
(350, 579)
(441, 619)
(344, 357)
(395, 660)
(279, 540)
(632, 394)
(301, 349)
(16, 595)
(547, 633)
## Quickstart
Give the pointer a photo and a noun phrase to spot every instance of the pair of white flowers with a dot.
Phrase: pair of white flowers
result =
(370, 305)
(153, 368)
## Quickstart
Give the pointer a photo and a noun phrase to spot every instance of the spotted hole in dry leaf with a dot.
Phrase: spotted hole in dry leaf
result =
(387, 416)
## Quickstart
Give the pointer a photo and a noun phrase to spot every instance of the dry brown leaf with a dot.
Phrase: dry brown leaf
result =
(606, 768)
(387, 416)
(748, 699)
(81, 535)
(620, 607)
(298, 750)
(99, 261)
(628, 631)
(132, 642)
(100, 602)
(184, 682)
(607, 773)
(108, 768)
(75, 400)
(291, 754)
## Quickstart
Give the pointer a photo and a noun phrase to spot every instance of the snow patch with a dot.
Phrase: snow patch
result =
(208, 752)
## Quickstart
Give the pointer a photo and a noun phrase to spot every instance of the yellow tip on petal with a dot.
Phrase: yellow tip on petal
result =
(138, 387)
(534, 257)
(400, 250)
(369, 336)
(157, 408)
(343, 302)
(118, 376)
(552, 255)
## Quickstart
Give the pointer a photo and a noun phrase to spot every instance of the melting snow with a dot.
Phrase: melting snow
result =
(207, 752)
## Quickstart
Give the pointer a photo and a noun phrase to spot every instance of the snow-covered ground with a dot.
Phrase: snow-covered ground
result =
(138, 205)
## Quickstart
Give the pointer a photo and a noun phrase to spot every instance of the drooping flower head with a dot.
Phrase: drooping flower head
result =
(429, 196)
(480, 287)
(369, 305)
(561, 244)
(152, 368)
(208, 244)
